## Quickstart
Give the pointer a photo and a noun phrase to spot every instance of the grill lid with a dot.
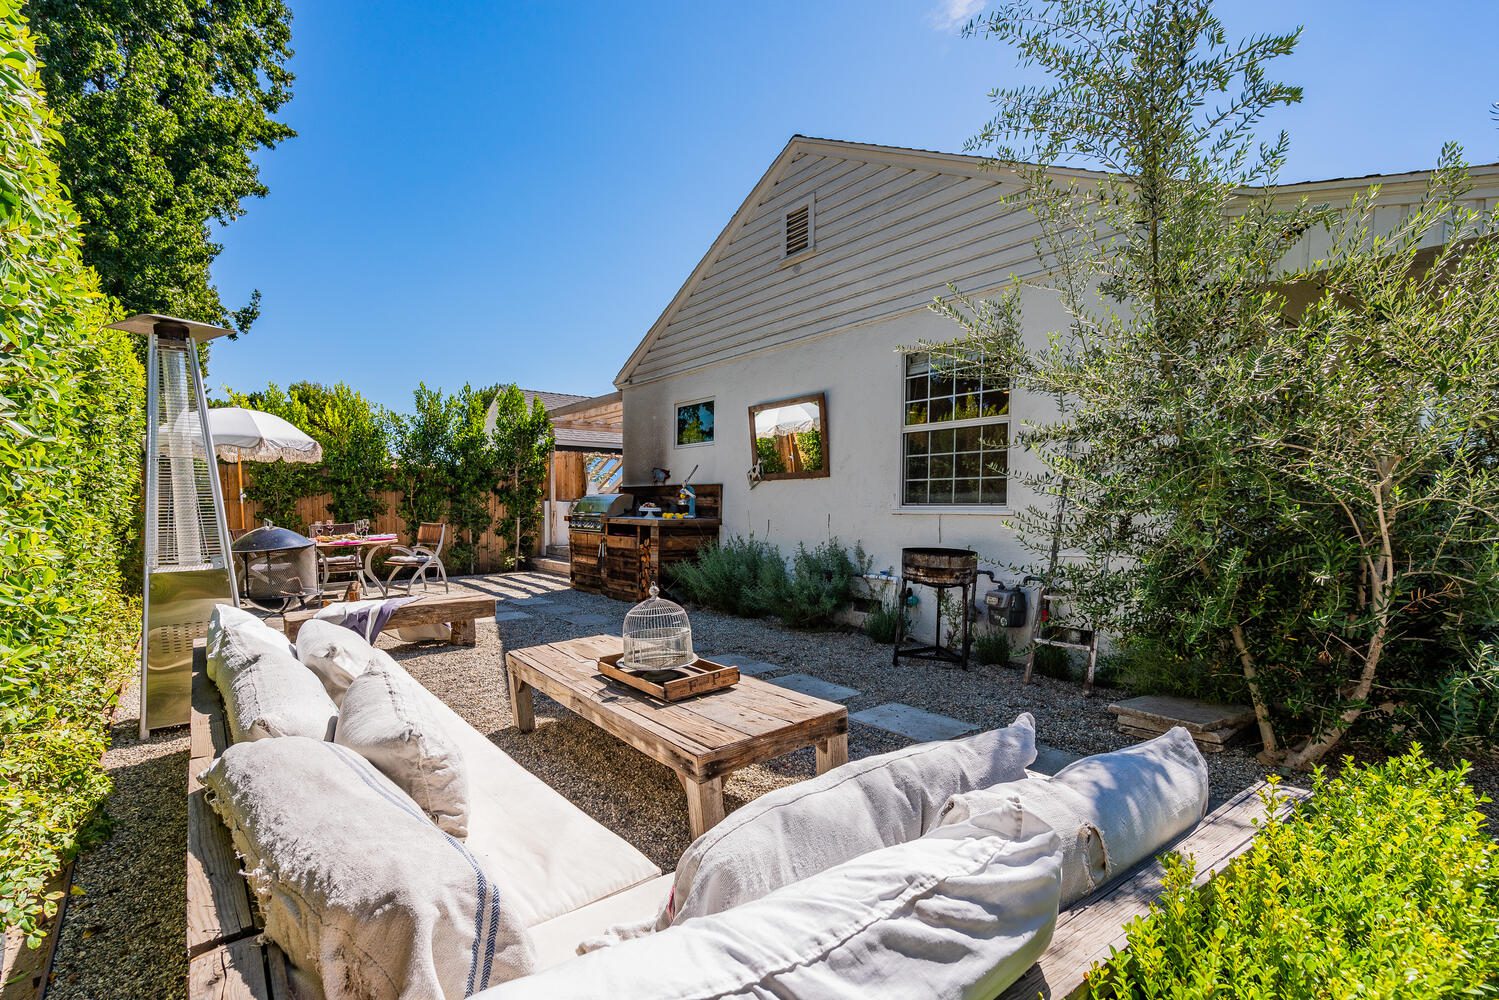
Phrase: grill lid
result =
(269, 538)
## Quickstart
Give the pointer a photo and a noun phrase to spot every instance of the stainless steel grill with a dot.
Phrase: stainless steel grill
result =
(588, 513)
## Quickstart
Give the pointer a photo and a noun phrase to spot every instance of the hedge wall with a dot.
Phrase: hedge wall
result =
(71, 402)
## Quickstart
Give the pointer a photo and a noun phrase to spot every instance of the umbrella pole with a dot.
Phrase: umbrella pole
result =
(239, 475)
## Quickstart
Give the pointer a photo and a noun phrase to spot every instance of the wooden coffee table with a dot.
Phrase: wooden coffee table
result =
(702, 739)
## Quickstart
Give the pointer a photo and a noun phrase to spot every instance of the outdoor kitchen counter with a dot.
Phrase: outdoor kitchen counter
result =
(625, 555)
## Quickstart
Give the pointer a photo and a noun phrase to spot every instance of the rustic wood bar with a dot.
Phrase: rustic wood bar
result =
(702, 739)
(458, 610)
(631, 553)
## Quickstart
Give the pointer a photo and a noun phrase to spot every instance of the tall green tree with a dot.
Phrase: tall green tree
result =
(161, 108)
(1293, 492)
(522, 440)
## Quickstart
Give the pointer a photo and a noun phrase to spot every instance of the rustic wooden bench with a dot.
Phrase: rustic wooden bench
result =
(458, 610)
(228, 961)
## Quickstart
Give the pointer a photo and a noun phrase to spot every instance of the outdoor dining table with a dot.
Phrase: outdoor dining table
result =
(365, 545)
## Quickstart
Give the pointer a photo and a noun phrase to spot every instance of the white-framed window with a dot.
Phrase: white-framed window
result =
(799, 229)
(955, 434)
(694, 423)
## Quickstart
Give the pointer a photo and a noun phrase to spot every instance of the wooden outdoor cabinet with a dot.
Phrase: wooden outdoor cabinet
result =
(631, 553)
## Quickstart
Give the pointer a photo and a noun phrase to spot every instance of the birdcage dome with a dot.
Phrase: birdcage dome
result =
(656, 636)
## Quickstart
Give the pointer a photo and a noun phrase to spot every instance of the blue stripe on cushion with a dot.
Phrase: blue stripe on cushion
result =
(483, 889)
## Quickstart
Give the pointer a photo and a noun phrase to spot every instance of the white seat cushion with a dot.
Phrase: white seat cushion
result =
(1111, 810)
(939, 917)
(355, 884)
(800, 830)
(387, 722)
(266, 691)
(556, 857)
(560, 938)
(337, 655)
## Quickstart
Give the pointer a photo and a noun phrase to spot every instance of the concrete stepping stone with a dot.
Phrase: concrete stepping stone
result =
(748, 666)
(1050, 760)
(913, 723)
(528, 601)
(511, 616)
(816, 687)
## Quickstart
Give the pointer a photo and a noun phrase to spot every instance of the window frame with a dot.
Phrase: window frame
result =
(676, 414)
(1005, 419)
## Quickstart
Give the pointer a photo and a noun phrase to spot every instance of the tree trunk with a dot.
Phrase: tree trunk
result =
(1251, 678)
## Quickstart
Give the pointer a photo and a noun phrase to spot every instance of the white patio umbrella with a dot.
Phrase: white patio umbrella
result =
(241, 435)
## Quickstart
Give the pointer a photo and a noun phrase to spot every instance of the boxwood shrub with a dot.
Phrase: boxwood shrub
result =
(70, 411)
(1384, 884)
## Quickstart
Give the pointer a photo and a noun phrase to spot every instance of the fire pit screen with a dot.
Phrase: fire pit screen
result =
(278, 568)
(941, 570)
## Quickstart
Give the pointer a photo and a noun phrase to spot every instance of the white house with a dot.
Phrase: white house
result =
(824, 272)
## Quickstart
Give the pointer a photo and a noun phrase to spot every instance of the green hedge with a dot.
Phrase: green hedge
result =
(1385, 884)
(70, 406)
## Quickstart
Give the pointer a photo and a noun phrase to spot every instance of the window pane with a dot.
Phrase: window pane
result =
(969, 438)
(918, 363)
(915, 413)
(966, 407)
(916, 443)
(941, 384)
(941, 410)
(996, 437)
(916, 491)
(941, 491)
(941, 441)
(993, 491)
(966, 491)
(916, 467)
(941, 466)
(916, 388)
(996, 403)
(967, 465)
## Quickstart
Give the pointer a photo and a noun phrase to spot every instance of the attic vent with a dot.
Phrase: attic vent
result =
(798, 229)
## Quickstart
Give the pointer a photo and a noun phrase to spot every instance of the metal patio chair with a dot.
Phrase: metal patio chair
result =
(423, 557)
(341, 564)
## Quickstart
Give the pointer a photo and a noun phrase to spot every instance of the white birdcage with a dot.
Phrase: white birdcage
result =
(657, 636)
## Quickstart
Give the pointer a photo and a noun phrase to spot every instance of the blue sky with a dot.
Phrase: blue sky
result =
(511, 192)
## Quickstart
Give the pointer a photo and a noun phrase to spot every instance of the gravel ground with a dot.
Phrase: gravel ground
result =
(124, 937)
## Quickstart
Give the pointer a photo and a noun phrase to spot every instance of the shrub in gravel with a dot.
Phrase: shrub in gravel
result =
(1053, 661)
(1384, 884)
(819, 585)
(883, 623)
(992, 647)
(742, 576)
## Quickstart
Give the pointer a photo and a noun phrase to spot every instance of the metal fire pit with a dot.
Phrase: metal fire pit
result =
(941, 570)
(279, 568)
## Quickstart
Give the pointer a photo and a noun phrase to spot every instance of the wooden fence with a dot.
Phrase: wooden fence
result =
(493, 551)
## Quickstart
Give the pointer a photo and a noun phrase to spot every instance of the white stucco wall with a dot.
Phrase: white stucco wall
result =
(862, 374)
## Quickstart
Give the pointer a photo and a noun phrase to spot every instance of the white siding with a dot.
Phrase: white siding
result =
(889, 238)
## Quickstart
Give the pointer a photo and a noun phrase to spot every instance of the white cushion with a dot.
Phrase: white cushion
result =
(337, 655)
(937, 917)
(802, 829)
(236, 637)
(594, 925)
(556, 857)
(389, 724)
(266, 691)
(1111, 810)
(355, 884)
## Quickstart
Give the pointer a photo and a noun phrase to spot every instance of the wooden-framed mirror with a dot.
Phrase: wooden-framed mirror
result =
(789, 437)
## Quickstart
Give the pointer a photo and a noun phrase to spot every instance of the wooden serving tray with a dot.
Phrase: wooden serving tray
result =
(700, 677)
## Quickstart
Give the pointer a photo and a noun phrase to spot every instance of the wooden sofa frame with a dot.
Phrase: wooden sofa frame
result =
(229, 961)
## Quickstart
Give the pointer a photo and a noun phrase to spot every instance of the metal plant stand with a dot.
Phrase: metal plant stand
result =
(941, 570)
(188, 567)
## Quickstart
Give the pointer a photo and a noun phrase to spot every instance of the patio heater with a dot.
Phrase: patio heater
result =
(188, 566)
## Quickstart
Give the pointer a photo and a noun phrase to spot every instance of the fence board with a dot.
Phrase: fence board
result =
(491, 548)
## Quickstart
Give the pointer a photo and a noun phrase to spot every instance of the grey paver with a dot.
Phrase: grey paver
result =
(748, 665)
(815, 686)
(511, 616)
(1050, 760)
(912, 722)
(529, 601)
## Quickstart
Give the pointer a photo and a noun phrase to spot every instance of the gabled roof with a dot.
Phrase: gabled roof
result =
(952, 163)
(552, 400)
